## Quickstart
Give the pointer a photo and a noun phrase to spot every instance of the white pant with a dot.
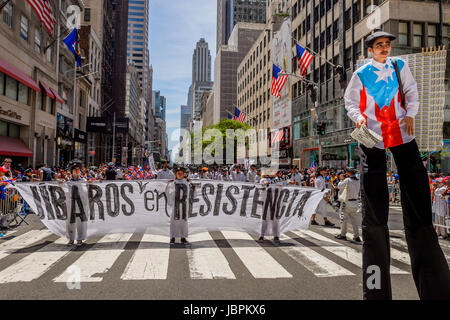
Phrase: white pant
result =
(349, 213)
(322, 208)
(76, 231)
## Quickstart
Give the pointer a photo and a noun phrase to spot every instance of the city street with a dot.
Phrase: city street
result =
(34, 264)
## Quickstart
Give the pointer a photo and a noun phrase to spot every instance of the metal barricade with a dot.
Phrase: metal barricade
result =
(12, 212)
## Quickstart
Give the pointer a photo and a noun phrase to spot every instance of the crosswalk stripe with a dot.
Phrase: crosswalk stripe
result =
(207, 261)
(342, 251)
(97, 260)
(150, 260)
(257, 260)
(395, 254)
(36, 264)
(319, 265)
(22, 241)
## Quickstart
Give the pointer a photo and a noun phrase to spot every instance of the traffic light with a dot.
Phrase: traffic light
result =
(321, 127)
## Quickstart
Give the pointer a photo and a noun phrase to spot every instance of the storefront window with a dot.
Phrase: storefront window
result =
(11, 88)
(296, 131)
(304, 129)
(23, 94)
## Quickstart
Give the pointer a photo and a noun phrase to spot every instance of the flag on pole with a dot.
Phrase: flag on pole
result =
(278, 82)
(44, 11)
(304, 59)
(72, 43)
(230, 116)
(238, 115)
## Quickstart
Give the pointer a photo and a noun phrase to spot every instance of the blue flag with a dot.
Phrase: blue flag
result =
(72, 43)
(230, 116)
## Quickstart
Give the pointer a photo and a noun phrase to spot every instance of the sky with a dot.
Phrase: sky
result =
(175, 28)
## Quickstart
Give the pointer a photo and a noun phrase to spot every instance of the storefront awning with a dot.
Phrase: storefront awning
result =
(47, 90)
(57, 97)
(14, 147)
(15, 73)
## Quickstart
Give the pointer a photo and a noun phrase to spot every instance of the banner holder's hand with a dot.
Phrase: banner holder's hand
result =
(360, 123)
(409, 125)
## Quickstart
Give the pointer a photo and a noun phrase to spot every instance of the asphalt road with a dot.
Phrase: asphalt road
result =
(218, 265)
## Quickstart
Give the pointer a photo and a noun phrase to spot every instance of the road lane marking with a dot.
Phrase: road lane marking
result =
(150, 260)
(36, 264)
(98, 259)
(395, 254)
(206, 261)
(257, 260)
(351, 255)
(319, 265)
(22, 241)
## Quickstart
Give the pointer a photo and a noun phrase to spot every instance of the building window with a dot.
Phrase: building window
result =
(23, 93)
(24, 28)
(403, 33)
(87, 14)
(8, 15)
(418, 35)
(11, 88)
(431, 35)
(37, 41)
(48, 52)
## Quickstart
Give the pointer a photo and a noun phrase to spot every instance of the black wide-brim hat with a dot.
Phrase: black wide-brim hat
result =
(350, 169)
(378, 34)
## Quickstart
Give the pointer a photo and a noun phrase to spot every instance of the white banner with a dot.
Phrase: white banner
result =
(282, 57)
(100, 208)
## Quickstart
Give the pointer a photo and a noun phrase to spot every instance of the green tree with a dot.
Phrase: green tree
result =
(222, 126)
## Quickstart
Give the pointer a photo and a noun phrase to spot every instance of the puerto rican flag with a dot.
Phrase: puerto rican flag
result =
(44, 11)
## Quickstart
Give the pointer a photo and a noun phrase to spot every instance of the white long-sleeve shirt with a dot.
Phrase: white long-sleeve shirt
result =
(353, 190)
(373, 94)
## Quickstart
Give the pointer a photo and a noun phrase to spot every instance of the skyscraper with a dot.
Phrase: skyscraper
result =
(137, 41)
(230, 12)
(201, 62)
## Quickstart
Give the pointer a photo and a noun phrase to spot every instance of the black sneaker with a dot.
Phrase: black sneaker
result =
(329, 224)
(276, 240)
(341, 237)
(261, 239)
(184, 241)
(357, 239)
(314, 223)
(172, 241)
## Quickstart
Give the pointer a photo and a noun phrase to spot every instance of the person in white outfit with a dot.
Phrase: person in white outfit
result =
(178, 189)
(236, 174)
(270, 227)
(165, 173)
(350, 185)
(319, 183)
(296, 178)
(440, 207)
(251, 174)
(78, 229)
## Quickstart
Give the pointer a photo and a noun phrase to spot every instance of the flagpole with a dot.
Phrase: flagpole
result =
(4, 5)
(316, 54)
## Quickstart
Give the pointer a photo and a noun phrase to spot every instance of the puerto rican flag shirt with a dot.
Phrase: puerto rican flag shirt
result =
(373, 94)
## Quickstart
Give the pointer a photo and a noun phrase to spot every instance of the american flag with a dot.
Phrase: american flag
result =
(238, 115)
(304, 59)
(45, 13)
(278, 136)
(277, 82)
